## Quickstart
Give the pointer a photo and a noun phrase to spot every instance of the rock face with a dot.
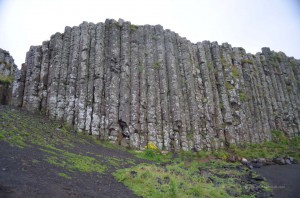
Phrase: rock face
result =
(7, 73)
(135, 85)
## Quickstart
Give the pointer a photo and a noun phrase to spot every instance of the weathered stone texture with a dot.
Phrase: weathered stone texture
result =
(9, 72)
(134, 85)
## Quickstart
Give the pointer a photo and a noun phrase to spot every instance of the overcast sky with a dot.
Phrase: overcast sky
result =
(250, 24)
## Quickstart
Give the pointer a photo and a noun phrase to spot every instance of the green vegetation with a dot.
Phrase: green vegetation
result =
(262, 61)
(56, 141)
(242, 96)
(202, 174)
(152, 155)
(6, 79)
(184, 174)
(224, 63)
(64, 175)
(156, 65)
(117, 24)
(235, 72)
(185, 179)
(247, 61)
(228, 86)
(133, 27)
(209, 66)
(279, 146)
(6, 65)
(275, 57)
(71, 161)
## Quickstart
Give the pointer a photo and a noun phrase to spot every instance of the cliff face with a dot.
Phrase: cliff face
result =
(139, 84)
(7, 72)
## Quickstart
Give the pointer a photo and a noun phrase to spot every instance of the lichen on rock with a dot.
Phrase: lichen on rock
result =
(141, 85)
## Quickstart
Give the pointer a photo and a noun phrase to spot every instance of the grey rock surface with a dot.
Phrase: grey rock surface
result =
(133, 85)
(8, 72)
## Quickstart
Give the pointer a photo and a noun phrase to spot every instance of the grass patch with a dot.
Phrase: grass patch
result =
(64, 175)
(183, 179)
(133, 27)
(235, 72)
(152, 155)
(6, 79)
(72, 161)
(242, 96)
(156, 65)
(279, 146)
(247, 61)
(228, 86)
(23, 130)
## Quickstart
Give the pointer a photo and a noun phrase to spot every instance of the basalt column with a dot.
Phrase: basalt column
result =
(136, 85)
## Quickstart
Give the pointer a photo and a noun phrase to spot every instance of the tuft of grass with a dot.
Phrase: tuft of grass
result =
(64, 175)
(209, 66)
(242, 96)
(247, 61)
(133, 27)
(182, 179)
(235, 72)
(156, 65)
(279, 146)
(6, 79)
(55, 140)
(152, 155)
(2, 137)
(72, 161)
(228, 86)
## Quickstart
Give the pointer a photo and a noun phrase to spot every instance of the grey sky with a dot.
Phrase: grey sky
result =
(250, 24)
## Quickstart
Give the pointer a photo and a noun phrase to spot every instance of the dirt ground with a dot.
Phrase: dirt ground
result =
(283, 179)
(24, 173)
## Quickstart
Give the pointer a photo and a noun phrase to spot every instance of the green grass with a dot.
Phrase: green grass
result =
(64, 175)
(52, 138)
(242, 96)
(6, 79)
(247, 61)
(156, 65)
(72, 161)
(235, 73)
(133, 27)
(228, 86)
(152, 155)
(280, 146)
(182, 179)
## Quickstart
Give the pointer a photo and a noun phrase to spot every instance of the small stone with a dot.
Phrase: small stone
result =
(167, 180)
(250, 166)
(159, 180)
(279, 161)
(269, 162)
(257, 165)
(287, 161)
(4, 169)
(232, 158)
(258, 178)
(262, 160)
(133, 174)
(244, 161)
